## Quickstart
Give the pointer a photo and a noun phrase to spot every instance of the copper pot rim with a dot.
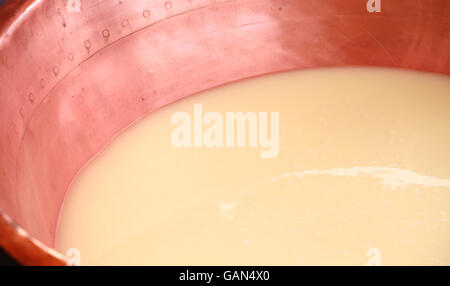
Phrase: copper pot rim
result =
(24, 248)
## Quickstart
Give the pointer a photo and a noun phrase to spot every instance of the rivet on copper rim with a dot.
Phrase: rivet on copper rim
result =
(42, 83)
(105, 33)
(31, 97)
(55, 71)
(146, 13)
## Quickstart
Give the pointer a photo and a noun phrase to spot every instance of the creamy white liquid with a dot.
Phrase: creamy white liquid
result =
(362, 176)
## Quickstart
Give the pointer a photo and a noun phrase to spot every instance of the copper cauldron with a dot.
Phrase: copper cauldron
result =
(73, 74)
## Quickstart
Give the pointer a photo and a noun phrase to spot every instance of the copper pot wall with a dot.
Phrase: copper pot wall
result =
(70, 81)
